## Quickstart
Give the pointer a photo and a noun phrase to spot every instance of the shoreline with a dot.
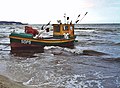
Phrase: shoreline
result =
(5, 82)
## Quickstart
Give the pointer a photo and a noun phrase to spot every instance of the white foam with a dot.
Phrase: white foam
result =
(84, 30)
(67, 81)
(28, 82)
(74, 51)
(50, 47)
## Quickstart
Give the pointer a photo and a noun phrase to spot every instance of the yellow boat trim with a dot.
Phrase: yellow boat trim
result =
(44, 40)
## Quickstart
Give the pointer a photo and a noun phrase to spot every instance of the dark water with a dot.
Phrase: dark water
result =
(93, 63)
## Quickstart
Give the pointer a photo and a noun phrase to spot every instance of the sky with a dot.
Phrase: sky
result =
(43, 11)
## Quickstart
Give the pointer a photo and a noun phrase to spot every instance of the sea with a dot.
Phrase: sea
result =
(94, 62)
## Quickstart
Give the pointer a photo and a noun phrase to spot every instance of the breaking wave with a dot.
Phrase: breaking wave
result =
(73, 81)
(62, 51)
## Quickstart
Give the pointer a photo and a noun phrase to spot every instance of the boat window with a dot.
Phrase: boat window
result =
(65, 28)
(71, 28)
(57, 28)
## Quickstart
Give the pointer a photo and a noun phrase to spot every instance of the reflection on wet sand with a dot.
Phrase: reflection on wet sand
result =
(7, 83)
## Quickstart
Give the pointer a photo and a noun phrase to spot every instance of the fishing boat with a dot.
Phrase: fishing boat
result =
(63, 35)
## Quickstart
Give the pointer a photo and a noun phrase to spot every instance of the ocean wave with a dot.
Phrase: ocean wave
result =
(72, 81)
(2, 36)
(112, 59)
(93, 53)
(97, 31)
(109, 30)
(84, 30)
(85, 42)
(61, 51)
(117, 44)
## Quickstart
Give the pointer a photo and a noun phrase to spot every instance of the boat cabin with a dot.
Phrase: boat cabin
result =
(63, 31)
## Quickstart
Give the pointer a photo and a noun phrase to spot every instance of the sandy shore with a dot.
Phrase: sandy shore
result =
(7, 83)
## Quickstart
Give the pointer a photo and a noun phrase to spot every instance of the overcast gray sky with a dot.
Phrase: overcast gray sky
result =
(43, 11)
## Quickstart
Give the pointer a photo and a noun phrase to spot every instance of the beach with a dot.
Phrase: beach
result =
(7, 83)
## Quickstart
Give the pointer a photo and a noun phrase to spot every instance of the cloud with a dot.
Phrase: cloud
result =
(87, 5)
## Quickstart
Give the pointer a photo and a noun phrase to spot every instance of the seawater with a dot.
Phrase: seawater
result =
(93, 63)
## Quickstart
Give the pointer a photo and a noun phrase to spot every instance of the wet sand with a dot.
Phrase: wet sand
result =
(7, 83)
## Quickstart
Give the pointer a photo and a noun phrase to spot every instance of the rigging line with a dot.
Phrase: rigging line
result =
(83, 16)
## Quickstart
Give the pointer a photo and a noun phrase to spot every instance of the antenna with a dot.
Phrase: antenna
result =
(65, 18)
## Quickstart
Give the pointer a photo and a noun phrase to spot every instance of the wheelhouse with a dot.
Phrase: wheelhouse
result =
(59, 30)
